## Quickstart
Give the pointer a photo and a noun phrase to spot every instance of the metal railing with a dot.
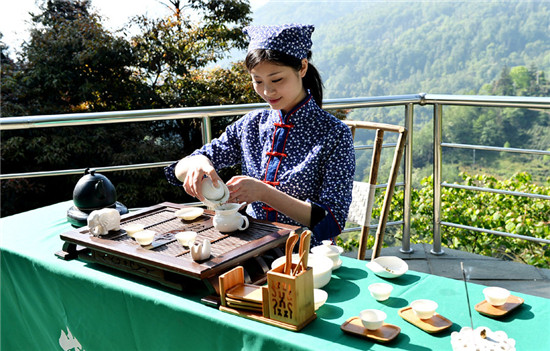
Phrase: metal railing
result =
(407, 101)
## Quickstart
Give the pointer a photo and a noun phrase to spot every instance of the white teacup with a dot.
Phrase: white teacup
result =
(423, 308)
(186, 238)
(228, 219)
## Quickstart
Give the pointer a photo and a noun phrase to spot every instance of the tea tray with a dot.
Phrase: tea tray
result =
(167, 261)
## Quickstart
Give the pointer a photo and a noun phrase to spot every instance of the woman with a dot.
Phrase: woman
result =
(297, 160)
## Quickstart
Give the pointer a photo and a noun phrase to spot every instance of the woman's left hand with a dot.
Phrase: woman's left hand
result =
(245, 189)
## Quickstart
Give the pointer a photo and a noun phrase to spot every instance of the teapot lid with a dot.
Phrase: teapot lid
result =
(326, 249)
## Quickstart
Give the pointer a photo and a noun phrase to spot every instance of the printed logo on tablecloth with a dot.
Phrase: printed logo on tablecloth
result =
(69, 342)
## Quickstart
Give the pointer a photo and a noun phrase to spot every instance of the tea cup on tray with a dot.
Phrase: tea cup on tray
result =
(144, 237)
(372, 319)
(423, 308)
(186, 238)
(496, 296)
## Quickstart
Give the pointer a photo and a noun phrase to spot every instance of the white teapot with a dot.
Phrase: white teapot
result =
(228, 219)
(201, 251)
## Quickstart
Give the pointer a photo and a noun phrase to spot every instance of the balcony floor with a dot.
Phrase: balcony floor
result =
(484, 270)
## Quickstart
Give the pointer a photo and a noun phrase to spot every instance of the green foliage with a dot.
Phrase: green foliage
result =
(486, 210)
(73, 64)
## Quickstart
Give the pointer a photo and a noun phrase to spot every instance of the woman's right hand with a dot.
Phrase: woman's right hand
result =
(191, 172)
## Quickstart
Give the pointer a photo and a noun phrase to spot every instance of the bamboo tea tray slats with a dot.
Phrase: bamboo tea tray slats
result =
(166, 254)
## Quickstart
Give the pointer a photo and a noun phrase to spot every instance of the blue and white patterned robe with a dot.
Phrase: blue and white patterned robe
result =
(308, 154)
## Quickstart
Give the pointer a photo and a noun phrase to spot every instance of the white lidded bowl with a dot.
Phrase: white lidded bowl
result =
(186, 238)
(212, 196)
(189, 213)
(319, 298)
(132, 228)
(372, 319)
(423, 308)
(331, 251)
(380, 291)
(322, 268)
(496, 296)
(388, 266)
(210, 191)
(144, 237)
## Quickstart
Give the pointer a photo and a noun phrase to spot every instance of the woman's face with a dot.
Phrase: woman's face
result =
(280, 86)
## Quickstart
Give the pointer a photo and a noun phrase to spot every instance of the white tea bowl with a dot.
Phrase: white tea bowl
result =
(132, 228)
(372, 319)
(144, 237)
(496, 296)
(380, 291)
(423, 308)
(186, 238)
(321, 265)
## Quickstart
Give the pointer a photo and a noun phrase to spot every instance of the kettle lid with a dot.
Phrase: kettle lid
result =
(94, 191)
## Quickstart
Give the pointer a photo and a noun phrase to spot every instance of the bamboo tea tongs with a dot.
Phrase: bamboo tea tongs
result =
(303, 252)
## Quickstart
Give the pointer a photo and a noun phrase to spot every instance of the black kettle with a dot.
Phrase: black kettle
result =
(92, 192)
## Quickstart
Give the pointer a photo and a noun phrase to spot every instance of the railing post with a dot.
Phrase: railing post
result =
(406, 242)
(206, 129)
(438, 117)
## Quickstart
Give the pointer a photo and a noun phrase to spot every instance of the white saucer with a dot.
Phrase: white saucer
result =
(337, 265)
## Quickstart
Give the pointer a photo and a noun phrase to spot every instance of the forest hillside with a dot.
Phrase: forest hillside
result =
(372, 48)
(376, 48)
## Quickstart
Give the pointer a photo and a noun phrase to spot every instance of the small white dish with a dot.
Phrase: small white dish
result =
(144, 237)
(423, 308)
(189, 213)
(132, 228)
(388, 266)
(496, 296)
(319, 298)
(186, 238)
(380, 291)
(372, 319)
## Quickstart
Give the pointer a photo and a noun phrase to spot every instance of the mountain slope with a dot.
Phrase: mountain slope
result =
(385, 48)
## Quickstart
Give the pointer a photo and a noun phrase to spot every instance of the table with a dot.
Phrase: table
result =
(51, 304)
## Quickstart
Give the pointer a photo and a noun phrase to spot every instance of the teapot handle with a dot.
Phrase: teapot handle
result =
(245, 223)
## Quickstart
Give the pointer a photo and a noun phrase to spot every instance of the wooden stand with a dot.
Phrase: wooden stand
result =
(287, 301)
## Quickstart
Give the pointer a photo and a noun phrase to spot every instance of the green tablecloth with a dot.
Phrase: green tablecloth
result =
(51, 304)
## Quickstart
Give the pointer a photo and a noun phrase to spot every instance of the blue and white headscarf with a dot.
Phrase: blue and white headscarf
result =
(292, 39)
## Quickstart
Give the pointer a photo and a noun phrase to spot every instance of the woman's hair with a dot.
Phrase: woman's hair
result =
(312, 79)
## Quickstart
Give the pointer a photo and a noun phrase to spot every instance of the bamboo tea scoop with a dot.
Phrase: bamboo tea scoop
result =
(290, 242)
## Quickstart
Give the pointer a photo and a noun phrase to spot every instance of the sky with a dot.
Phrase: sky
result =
(15, 19)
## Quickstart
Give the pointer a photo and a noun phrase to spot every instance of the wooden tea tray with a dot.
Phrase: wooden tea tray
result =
(386, 333)
(487, 309)
(432, 325)
(167, 261)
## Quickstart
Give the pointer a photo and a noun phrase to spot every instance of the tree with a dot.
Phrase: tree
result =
(174, 54)
(73, 64)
